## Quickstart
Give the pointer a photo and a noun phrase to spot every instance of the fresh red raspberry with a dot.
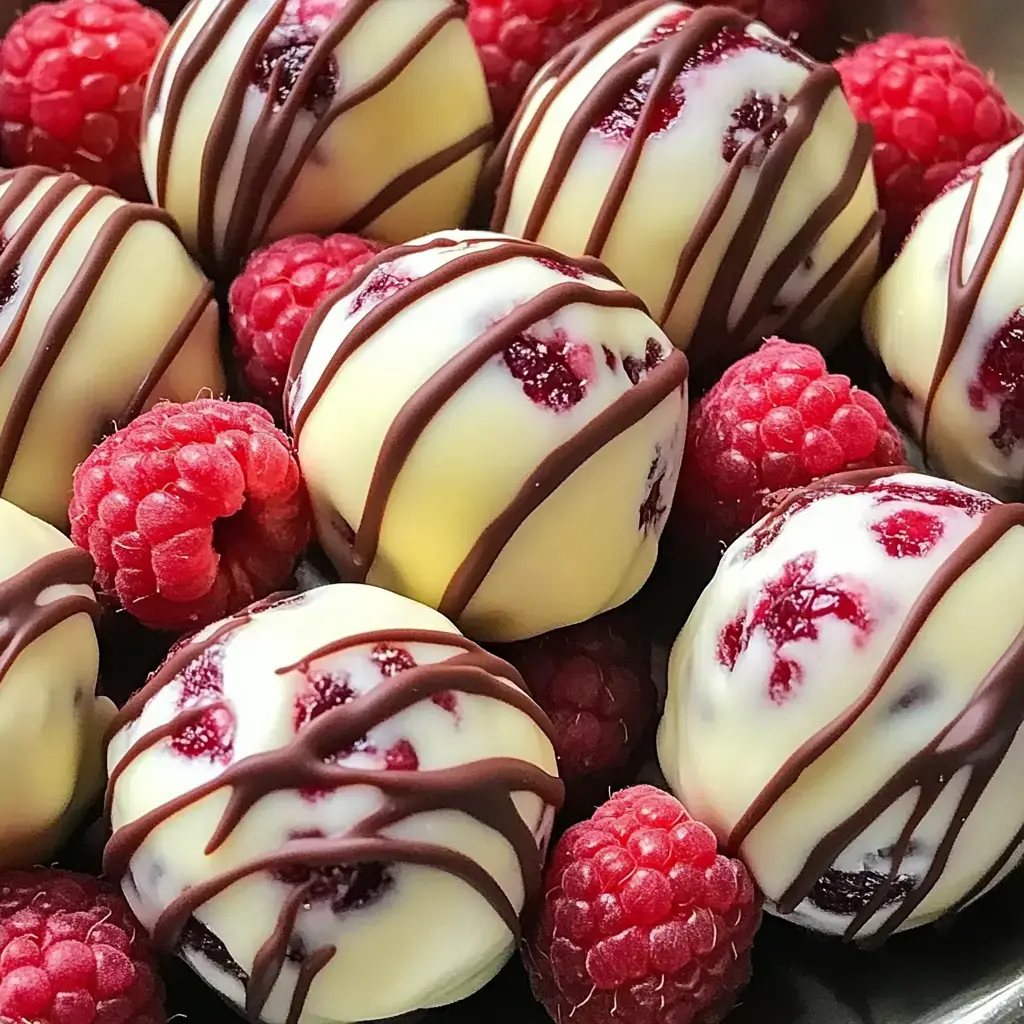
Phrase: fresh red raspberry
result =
(934, 114)
(595, 682)
(274, 296)
(191, 512)
(515, 37)
(72, 953)
(72, 75)
(777, 419)
(643, 920)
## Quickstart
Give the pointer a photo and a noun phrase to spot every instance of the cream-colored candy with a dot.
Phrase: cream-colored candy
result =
(500, 425)
(259, 124)
(727, 239)
(950, 306)
(102, 312)
(432, 902)
(51, 721)
(849, 689)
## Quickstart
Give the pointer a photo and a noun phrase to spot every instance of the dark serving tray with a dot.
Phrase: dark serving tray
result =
(968, 972)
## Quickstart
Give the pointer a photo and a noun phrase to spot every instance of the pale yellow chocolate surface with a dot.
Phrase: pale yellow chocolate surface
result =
(146, 289)
(51, 722)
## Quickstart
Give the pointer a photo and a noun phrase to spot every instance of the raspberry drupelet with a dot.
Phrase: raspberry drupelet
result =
(72, 77)
(643, 921)
(71, 952)
(274, 296)
(191, 512)
(934, 114)
(776, 420)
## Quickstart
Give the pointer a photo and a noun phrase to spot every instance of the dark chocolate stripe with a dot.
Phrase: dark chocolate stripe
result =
(24, 618)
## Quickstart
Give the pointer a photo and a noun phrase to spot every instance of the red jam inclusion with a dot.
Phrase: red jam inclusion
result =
(1000, 378)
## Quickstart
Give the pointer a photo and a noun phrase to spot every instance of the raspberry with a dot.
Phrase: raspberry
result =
(191, 512)
(777, 419)
(595, 682)
(515, 37)
(275, 295)
(934, 114)
(72, 75)
(72, 953)
(643, 920)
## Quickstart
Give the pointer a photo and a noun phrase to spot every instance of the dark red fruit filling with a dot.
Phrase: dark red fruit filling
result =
(971, 502)
(9, 281)
(846, 893)
(1001, 378)
(325, 691)
(554, 372)
(636, 368)
(790, 608)
(381, 284)
(610, 359)
(212, 735)
(566, 266)
(343, 886)
(283, 59)
(391, 660)
(909, 533)
(751, 117)
(653, 509)
(197, 938)
(620, 123)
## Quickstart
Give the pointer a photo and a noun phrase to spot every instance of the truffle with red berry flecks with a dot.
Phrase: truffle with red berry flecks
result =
(827, 717)
(947, 323)
(391, 781)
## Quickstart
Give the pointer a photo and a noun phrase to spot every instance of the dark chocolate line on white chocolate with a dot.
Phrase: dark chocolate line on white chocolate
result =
(963, 296)
(24, 618)
(482, 789)
(1000, 698)
(714, 342)
(66, 314)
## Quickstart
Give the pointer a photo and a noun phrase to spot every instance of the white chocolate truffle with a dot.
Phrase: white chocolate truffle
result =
(718, 171)
(264, 118)
(845, 701)
(491, 428)
(51, 721)
(947, 321)
(102, 313)
(309, 793)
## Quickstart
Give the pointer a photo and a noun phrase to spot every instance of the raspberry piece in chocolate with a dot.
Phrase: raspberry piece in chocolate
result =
(554, 372)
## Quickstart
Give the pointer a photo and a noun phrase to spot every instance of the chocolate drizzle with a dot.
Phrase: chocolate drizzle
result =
(271, 147)
(62, 321)
(718, 337)
(963, 295)
(432, 396)
(24, 619)
(976, 740)
(481, 789)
